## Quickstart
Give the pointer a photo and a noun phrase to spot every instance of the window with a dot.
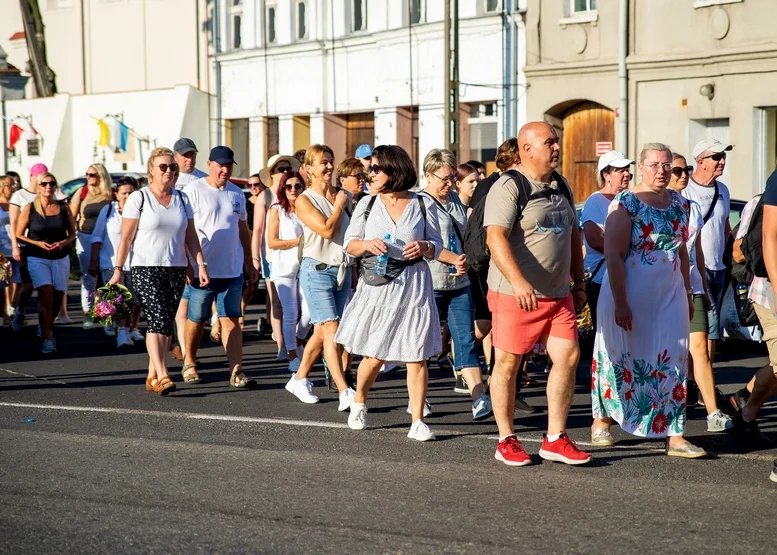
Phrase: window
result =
(359, 15)
(237, 140)
(271, 37)
(417, 11)
(582, 6)
(234, 22)
(492, 5)
(302, 31)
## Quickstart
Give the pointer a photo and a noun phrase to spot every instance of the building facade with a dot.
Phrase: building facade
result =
(696, 69)
(347, 72)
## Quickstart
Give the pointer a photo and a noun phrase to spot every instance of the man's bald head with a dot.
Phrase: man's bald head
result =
(539, 146)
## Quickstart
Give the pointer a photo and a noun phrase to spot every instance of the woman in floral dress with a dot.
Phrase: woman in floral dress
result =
(640, 363)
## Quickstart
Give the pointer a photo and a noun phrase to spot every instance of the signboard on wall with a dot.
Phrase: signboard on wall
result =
(603, 147)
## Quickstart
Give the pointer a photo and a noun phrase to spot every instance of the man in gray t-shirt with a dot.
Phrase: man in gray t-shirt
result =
(534, 250)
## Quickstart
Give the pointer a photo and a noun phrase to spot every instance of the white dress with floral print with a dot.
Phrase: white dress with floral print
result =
(639, 376)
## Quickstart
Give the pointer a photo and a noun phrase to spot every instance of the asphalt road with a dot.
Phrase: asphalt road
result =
(92, 463)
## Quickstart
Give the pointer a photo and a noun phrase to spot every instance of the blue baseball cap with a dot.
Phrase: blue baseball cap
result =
(222, 155)
(364, 151)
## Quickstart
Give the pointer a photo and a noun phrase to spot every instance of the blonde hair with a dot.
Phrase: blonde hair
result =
(36, 204)
(156, 153)
(660, 147)
(313, 154)
(439, 158)
(106, 183)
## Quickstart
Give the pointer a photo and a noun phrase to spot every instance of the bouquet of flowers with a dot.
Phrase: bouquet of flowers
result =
(110, 304)
(585, 323)
(5, 271)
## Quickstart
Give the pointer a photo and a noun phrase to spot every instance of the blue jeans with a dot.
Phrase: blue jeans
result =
(457, 309)
(715, 282)
(228, 293)
(319, 287)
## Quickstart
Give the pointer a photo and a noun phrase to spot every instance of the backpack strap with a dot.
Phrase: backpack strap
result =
(440, 205)
(711, 209)
(84, 191)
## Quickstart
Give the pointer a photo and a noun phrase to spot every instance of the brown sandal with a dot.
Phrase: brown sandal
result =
(164, 386)
(193, 376)
(150, 383)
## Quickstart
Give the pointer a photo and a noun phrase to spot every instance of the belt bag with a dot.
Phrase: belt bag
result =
(393, 269)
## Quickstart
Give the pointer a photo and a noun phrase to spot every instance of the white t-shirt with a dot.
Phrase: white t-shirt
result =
(161, 235)
(185, 178)
(695, 224)
(107, 231)
(713, 235)
(23, 197)
(595, 210)
(217, 216)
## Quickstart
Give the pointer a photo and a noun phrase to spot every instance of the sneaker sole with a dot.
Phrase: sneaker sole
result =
(555, 457)
(773, 476)
(357, 426)
(461, 390)
(483, 416)
(427, 438)
(718, 430)
(602, 443)
(686, 455)
(291, 390)
(498, 456)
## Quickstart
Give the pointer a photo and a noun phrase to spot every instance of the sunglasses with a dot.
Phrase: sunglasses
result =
(48, 184)
(680, 171)
(88, 174)
(164, 167)
(294, 186)
(717, 157)
(283, 169)
(253, 185)
(374, 169)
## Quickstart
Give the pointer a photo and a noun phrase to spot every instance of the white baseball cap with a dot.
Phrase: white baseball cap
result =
(713, 145)
(614, 159)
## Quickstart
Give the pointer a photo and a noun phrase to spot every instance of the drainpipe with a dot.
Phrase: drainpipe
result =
(216, 52)
(622, 129)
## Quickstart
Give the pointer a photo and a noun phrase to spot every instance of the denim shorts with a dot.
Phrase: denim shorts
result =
(319, 287)
(228, 293)
(456, 308)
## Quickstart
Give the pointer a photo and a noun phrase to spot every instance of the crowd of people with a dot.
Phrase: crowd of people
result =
(475, 271)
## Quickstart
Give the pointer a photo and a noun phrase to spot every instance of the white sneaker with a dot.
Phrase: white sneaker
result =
(481, 408)
(11, 311)
(123, 338)
(302, 390)
(357, 420)
(88, 323)
(64, 320)
(48, 347)
(419, 431)
(110, 331)
(346, 399)
(719, 422)
(136, 335)
(427, 408)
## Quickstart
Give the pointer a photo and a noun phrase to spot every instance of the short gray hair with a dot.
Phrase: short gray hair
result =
(439, 158)
(660, 147)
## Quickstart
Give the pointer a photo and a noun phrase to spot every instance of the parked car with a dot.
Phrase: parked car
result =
(70, 187)
(735, 213)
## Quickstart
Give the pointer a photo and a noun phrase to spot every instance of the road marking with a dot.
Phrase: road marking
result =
(15, 373)
(335, 425)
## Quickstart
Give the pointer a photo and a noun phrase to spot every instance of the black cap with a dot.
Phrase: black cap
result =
(184, 146)
(222, 155)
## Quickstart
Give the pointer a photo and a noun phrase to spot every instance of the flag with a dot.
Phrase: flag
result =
(121, 135)
(105, 134)
(15, 134)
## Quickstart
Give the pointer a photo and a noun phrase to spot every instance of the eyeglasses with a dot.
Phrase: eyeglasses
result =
(718, 156)
(48, 183)
(282, 169)
(164, 167)
(374, 169)
(295, 186)
(680, 171)
(88, 174)
(658, 166)
(451, 179)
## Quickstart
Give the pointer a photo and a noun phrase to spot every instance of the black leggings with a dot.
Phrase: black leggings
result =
(159, 290)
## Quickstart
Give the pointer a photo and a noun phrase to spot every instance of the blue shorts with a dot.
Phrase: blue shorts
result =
(456, 308)
(319, 287)
(227, 292)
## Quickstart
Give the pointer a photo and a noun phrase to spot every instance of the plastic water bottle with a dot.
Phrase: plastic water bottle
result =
(382, 261)
(454, 248)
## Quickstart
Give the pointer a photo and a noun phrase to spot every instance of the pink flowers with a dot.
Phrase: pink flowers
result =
(104, 308)
(110, 304)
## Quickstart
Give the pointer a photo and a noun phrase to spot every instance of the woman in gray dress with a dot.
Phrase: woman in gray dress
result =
(397, 320)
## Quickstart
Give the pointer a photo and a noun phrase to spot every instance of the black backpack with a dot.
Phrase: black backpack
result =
(475, 247)
(752, 247)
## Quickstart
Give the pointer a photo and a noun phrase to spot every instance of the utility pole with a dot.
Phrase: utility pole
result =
(451, 76)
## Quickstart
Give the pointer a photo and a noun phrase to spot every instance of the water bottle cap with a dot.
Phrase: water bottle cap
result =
(387, 236)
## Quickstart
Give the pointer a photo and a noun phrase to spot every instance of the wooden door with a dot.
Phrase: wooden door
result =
(584, 126)
(361, 130)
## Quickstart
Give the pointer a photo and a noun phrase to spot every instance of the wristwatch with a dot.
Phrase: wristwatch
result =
(202, 264)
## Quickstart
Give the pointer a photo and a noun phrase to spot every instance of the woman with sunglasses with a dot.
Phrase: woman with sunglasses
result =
(396, 320)
(48, 229)
(156, 230)
(86, 204)
(701, 376)
(255, 190)
(105, 241)
(324, 272)
(284, 234)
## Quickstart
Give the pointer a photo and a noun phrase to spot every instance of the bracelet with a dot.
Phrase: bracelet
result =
(256, 259)
(689, 291)
(578, 280)
(119, 268)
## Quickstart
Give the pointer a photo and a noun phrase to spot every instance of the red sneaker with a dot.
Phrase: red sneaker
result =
(563, 450)
(510, 452)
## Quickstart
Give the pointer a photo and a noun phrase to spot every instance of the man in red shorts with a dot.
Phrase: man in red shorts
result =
(535, 246)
